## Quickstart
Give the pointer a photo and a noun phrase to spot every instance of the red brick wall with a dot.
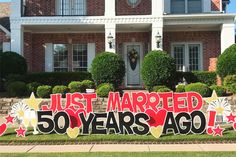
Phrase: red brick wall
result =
(47, 7)
(215, 5)
(143, 8)
(3, 37)
(210, 42)
(35, 54)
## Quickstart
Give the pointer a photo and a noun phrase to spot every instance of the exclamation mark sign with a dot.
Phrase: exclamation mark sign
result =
(211, 122)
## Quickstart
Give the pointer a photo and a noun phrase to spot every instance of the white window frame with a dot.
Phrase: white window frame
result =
(73, 67)
(59, 8)
(186, 7)
(68, 68)
(186, 59)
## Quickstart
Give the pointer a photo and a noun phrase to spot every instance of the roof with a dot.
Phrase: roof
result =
(5, 9)
(5, 22)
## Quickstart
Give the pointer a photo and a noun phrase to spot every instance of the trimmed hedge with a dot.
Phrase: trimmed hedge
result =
(16, 89)
(161, 89)
(32, 87)
(233, 88)
(88, 84)
(108, 67)
(60, 90)
(104, 89)
(220, 90)
(76, 86)
(180, 88)
(44, 91)
(157, 69)
(226, 64)
(205, 77)
(229, 80)
(200, 88)
(51, 78)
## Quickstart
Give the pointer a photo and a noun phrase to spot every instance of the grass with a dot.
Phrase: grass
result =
(10, 137)
(159, 154)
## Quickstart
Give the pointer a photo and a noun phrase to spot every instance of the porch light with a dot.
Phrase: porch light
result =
(110, 40)
(158, 39)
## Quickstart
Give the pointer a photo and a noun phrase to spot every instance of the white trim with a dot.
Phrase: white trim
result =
(49, 63)
(6, 46)
(124, 53)
(186, 64)
(5, 30)
(91, 50)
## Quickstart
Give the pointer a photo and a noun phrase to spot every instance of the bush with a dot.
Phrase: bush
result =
(88, 84)
(205, 77)
(60, 90)
(220, 90)
(226, 64)
(229, 80)
(200, 88)
(180, 88)
(12, 63)
(108, 68)
(104, 89)
(233, 88)
(157, 69)
(76, 86)
(16, 89)
(44, 91)
(32, 87)
(161, 89)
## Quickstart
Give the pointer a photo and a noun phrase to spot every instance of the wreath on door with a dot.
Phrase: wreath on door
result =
(133, 58)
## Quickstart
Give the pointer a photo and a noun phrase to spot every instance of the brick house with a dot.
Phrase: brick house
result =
(4, 27)
(65, 35)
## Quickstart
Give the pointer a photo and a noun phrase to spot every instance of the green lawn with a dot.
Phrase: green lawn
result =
(10, 137)
(162, 154)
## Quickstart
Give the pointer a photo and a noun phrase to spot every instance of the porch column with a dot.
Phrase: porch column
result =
(110, 29)
(157, 7)
(110, 8)
(17, 39)
(15, 8)
(157, 29)
(227, 36)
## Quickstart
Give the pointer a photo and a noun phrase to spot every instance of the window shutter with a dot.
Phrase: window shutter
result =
(167, 6)
(49, 57)
(91, 54)
(6, 46)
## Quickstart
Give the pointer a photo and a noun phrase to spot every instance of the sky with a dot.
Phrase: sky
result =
(230, 9)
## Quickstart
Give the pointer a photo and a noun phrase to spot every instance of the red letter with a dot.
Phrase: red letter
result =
(113, 102)
(53, 104)
(76, 96)
(165, 100)
(193, 97)
(152, 104)
(126, 103)
(89, 98)
(179, 102)
(137, 102)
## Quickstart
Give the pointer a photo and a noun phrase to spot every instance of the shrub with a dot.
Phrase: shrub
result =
(44, 91)
(12, 63)
(108, 68)
(220, 90)
(205, 77)
(32, 87)
(226, 64)
(229, 80)
(180, 88)
(60, 90)
(161, 89)
(233, 88)
(104, 89)
(76, 86)
(88, 84)
(200, 88)
(16, 89)
(157, 69)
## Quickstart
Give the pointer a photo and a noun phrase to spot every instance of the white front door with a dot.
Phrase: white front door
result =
(133, 55)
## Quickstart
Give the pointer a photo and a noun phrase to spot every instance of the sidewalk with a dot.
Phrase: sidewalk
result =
(118, 148)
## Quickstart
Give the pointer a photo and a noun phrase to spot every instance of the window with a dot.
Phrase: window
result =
(188, 57)
(72, 7)
(80, 57)
(186, 6)
(60, 57)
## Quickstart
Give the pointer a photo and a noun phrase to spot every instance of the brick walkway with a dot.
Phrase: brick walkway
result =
(117, 148)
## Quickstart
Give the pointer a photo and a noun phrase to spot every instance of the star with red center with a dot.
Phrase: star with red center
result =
(20, 132)
(218, 131)
(9, 119)
(231, 118)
